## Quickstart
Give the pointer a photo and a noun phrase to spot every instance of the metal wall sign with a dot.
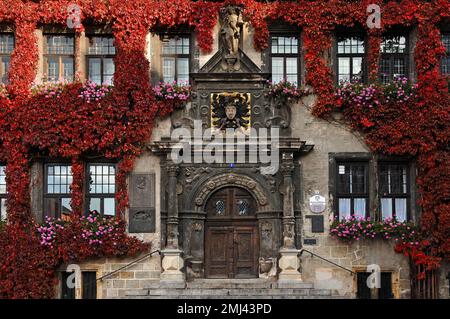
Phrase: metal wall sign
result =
(317, 203)
(317, 224)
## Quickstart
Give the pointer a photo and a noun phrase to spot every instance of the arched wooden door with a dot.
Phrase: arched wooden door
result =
(231, 236)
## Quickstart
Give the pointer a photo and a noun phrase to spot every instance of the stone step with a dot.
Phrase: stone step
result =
(237, 292)
(230, 283)
(258, 288)
(227, 284)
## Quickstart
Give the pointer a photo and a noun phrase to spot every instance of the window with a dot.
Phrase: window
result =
(100, 59)
(175, 59)
(89, 284)
(57, 196)
(6, 48)
(445, 63)
(66, 292)
(394, 195)
(285, 59)
(59, 57)
(394, 58)
(352, 189)
(350, 58)
(102, 188)
(3, 193)
(384, 292)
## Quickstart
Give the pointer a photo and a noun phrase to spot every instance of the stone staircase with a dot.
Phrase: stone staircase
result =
(230, 289)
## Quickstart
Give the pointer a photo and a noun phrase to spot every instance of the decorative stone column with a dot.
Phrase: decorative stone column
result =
(172, 262)
(289, 262)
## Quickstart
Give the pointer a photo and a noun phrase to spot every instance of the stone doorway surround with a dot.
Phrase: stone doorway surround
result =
(188, 188)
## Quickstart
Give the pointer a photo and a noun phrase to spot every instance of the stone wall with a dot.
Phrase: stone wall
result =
(327, 137)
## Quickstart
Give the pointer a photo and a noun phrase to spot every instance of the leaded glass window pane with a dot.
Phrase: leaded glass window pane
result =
(445, 62)
(6, 43)
(220, 207)
(60, 44)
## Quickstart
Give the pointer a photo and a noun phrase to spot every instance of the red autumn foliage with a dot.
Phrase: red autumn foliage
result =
(118, 126)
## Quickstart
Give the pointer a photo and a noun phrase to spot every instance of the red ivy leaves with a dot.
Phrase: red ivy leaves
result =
(119, 125)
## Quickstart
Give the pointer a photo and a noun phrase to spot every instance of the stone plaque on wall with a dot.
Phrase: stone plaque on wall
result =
(142, 203)
(142, 190)
(142, 220)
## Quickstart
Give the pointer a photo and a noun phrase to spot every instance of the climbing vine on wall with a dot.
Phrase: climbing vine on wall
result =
(119, 124)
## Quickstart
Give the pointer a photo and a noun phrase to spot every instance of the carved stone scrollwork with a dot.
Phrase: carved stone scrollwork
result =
(172, 170)
(281, 117)
(266, 230)
(230, 179)
(192, 174)
(288, 233)
(277, 121)
(197, 227)
(270, 179)
(183, 122)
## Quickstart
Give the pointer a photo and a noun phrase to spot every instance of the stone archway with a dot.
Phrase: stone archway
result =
(197, 225)
(231, 180)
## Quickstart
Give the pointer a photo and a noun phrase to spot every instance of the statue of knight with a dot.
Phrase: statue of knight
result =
(230, 35)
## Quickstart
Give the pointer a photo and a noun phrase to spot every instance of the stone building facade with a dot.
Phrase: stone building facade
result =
(214, 223)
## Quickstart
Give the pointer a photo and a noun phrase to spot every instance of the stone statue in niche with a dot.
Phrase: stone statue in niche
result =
(230, 34)
(230, 110)
(231, 29)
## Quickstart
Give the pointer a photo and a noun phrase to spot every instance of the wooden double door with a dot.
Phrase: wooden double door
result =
(231, 236)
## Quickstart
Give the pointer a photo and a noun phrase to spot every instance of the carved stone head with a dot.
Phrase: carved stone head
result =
(230, 111)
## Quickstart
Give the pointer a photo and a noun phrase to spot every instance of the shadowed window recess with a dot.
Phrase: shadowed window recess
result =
(57, 197)
(102, 188)
(59, 57)
(100, 59)
(445, 62)
(350, 58)
(394, 191)
(352, 194)
(384, 292)
(175, 57)
(3, 194)
(394, 57)
(285, 59)
(6, 49)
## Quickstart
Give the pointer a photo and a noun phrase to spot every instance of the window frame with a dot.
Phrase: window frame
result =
(384, 292)
(102, 196)
(81, 290)
(59, 196)
(64, 291)
(407, 196)
(352, 196)
(446, 55)
(393, 56)
(286, 55)
(176, 56)
(102, 57)
(85, 291)
(4, 196)
(4, 73)
(348, 35)
(60, 57)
